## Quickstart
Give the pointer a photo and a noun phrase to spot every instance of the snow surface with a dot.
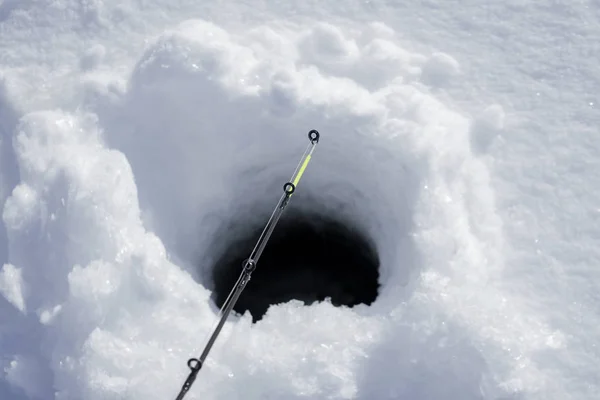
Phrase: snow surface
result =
(462, 136)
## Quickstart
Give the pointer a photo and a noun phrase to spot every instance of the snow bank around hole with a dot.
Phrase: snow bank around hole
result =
(93, 276)
(194, 138)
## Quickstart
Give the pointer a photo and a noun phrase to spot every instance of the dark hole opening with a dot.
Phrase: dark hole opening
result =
(308, 258)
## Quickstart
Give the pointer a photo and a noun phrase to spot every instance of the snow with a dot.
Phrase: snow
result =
(137, 137)
(11, 286)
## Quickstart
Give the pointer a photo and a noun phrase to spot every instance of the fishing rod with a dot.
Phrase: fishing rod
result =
(249, 265)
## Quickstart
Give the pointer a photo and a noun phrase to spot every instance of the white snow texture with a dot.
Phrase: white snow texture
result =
(461, 136)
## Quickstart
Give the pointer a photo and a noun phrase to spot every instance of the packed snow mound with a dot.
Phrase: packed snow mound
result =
(120, 201)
